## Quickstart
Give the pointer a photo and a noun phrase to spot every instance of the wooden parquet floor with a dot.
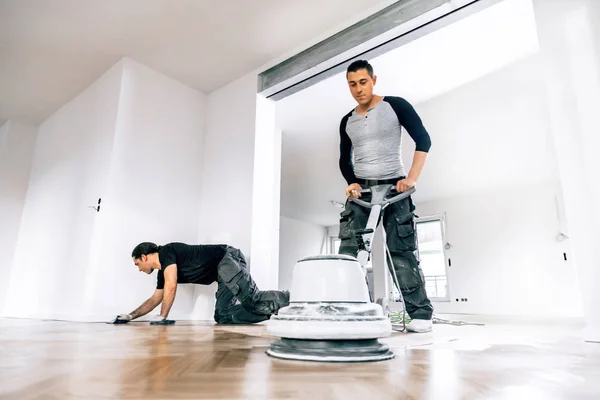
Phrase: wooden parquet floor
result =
(502, 360)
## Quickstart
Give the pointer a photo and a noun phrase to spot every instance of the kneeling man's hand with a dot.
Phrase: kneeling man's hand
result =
(159, 320)
(122, 319)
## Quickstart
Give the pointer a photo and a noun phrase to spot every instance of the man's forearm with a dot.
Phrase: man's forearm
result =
(168, 299)
(417, 165)
(145, 308)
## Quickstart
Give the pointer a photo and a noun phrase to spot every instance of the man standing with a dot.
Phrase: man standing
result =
(370, 154)
(203, 265)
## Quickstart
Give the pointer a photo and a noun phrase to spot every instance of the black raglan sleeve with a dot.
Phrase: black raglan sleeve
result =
(167, 257)
(410, 120)
(345, 162)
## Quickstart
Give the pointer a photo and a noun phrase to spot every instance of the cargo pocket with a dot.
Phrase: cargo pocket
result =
(346, 218)
(405, 238)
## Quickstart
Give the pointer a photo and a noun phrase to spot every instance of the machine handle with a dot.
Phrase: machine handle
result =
(402, 195)
(396, 198)
(361, 202)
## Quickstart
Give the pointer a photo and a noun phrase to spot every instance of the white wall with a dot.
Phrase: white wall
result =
(228, 166)
(133, 138)
(297, 239)
(488, 133)
(68, 174)
(17, 142)
(227, 175)
(506, 258)
(154, 190)
(492, 159)
(570, 42)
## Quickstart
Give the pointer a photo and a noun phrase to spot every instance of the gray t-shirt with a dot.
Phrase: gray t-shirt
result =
(371, 144)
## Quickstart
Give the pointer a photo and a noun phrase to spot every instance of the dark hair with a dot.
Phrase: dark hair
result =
(144, 248)
(360, 64)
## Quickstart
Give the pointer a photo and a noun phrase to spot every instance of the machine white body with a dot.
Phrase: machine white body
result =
(319, 310)
(345, 270)
(331, 316)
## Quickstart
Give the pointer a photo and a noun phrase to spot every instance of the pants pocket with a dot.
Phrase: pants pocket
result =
(346, 219)
(404, 238)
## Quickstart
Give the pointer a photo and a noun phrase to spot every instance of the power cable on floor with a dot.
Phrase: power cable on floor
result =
(400, 317)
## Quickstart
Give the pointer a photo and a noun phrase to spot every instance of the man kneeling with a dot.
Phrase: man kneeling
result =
(203, 265)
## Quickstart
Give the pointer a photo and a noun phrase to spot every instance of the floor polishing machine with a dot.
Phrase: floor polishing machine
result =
(331, 316)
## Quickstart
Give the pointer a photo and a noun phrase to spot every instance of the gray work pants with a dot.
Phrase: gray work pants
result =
(400, 228)
(235, 283)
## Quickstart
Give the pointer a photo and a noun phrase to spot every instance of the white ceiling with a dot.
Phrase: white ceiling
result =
(419, 71)
(50, 50)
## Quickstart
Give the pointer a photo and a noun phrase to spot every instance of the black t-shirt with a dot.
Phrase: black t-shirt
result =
(195, 263)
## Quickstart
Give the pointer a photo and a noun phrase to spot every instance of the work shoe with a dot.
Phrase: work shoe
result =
(419, 325)
(239, 315)
(269, 302)
(283, 300)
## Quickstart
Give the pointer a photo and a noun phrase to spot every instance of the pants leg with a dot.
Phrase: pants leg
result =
(354, 217)
(402, 242)
(228, 312)
(225, 301)
(233, 274)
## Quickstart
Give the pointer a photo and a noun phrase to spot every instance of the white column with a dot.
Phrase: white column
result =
(264, 249)
(570, 45)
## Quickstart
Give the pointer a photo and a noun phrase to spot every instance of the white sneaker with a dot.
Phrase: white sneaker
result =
(419, 325)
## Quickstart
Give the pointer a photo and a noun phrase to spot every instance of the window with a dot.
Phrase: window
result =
(336, 245)
(430, 232)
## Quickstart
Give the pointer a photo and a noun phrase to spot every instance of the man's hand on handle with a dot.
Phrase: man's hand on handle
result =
(404, 185)
(353, 189)
(401, 186)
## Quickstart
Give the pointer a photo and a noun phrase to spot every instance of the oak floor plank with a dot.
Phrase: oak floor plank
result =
(502, 360)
